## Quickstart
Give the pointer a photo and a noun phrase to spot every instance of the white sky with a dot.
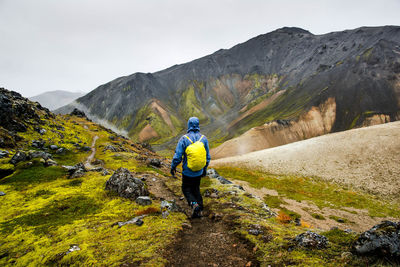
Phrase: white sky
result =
(76, 45)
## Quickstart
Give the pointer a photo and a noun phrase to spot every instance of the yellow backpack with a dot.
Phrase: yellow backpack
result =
(196, 155)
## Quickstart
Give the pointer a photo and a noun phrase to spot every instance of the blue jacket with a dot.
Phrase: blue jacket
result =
(194, 134)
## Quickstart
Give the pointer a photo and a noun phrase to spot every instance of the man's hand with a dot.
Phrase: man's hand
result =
(173, 171)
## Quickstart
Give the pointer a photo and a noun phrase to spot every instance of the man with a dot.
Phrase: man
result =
(193, 147)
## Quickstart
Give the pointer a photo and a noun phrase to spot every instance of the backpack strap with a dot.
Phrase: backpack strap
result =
(201, 137)
(188, 138)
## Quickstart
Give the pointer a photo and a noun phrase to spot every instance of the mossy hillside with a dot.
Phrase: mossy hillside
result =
(314, 190)
(44, 212)
(190, 106)
(274, 246)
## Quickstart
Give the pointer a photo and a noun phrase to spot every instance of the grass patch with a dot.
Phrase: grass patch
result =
(318, 216)
(273, 201)
(75, 182)
(319, 192)
(44, 193)
(56, 213)
(36, 174)
(338, 219)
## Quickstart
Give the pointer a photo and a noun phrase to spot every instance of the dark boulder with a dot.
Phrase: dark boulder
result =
(381, 240)
(144, 200)
(125, 185)
(53, 147)
(78, 113)
(311, 240)
(39, 154)
(38, 143)
(86, 148)
(18, 157)
(4, 154)
(154, 162)
(76, 171)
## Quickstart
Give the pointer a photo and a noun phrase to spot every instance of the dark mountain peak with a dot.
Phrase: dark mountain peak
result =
(292, 30)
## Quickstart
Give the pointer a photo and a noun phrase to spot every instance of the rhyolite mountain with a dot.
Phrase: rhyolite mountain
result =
(289, 83)
(55, 99)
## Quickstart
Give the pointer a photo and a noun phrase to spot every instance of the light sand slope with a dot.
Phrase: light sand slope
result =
(366, 158)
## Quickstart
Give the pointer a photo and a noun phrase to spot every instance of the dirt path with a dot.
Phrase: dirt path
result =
(208, 241)
(89, 159)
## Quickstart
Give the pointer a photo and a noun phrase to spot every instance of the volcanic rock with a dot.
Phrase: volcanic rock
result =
(125, 185)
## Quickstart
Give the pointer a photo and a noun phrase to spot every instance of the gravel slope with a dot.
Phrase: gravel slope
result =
(365, 158)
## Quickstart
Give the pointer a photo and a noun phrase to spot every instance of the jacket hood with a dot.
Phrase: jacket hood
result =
(193, 124)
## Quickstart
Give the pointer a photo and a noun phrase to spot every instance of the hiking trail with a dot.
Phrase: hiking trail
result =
(88, 164)
(208, 241)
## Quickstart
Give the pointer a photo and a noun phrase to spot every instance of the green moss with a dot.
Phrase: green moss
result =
(45, 193)
(190, 106)
(36, 174)
(75, 182)
(338, 219)
(293, 215)
(54, 214)
(273, 201)
(354, 122)
(367, 53)
(318, 216)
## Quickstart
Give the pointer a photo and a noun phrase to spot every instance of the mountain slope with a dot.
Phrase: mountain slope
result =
(55, 99)
(276, 76)
(52, 216)
(366, 158)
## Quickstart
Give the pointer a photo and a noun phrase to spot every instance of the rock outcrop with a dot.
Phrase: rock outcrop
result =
(125, 185)
(381, 240)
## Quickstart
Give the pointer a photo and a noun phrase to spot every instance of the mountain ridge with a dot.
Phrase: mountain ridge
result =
(359, 68)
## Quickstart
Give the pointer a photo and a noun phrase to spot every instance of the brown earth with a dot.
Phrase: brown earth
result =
(365, 158)
(147, 133)
(317, 121)
(156, 106)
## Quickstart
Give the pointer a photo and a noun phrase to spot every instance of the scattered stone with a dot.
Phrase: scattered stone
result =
(50, 162)
(144, 200)
(181, 198)
(125, 185)
(42, 131)
(97, 169)
(105, 172)
(186, 226)
(2, 193)
(168, 206)
(154, 179)
(256, 229)
(18, 157)
(114, 149)
(270, 212)
(239, 187)
(137, 220)
(86, 148)
(213, 193)
(78, 113)
(212, 173)
(38, 143)
(76, 171)
(349, 231)
(39, 154)
(297, 222)
(60, 150)
(4, 154)
(72, 249)
(53, 147)
(222, 180)
(381, 240)
(154, 162)
(311, 240)
(347, 255)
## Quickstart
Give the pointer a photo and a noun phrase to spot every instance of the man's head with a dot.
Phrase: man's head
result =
(193, 124)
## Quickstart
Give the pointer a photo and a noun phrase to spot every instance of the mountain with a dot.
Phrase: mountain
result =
(55, 99)
(288, 77)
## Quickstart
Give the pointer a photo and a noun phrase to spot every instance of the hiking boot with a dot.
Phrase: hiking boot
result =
(196, 210)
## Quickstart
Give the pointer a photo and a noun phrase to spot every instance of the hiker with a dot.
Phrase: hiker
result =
(193, 147)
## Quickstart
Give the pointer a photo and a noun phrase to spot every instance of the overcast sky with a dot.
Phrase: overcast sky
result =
(77, 45)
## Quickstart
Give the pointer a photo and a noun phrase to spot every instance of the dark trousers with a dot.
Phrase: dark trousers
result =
(191, 190)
